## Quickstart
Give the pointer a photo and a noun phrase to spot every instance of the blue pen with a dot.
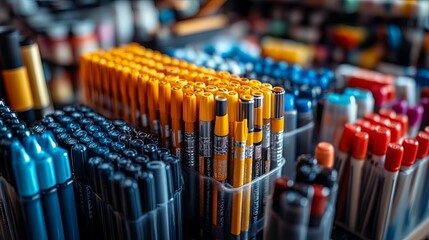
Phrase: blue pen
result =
(65, 185)
(305, 117)
(27, 185)
(47, 183)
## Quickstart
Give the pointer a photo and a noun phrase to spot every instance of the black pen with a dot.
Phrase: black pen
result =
(131, 207)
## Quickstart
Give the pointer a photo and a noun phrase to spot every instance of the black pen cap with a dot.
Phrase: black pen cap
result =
(90, 114)
(76, 115)
(64, 120)
(123, 163)
(151, 151)
(38, 128)
(79, 133)
(105, 142)
(170, 181)
(113, 157)
(79, 160)
(85, 122)
(62, 139)
(130, 153)
(102, 151)
(22, 133)
(53, 125)
(125, 129)
(281, 184)
(146, 182)
(174, 162)
(91, 129)
(92, 147)
(98, 135)
(118, 147)
(59, 130)
(133, 170)
(83, 109)
(73, 127)
(142, 160)
(86, 140)
(306, 159)
(163, 153)
(304, 189)
(221, 107)
(106, 125)
(10, 54)
(114, 134)
(92, 173)
(138, 145)
(104, 171)
(69, 109)
(118, 122)
(115, 182)
(98, 118)
(294, 208)
(125, 138)
(327, 177)
(131, 201)
(58, 114)
(157, 168)
(47, 119)
(307, 174)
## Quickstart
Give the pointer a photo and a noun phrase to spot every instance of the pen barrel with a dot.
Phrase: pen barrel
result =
(165, 129)
(52, 213)
(190, 149)
(231, 151)
(389, 183)
(17, 88)
(68, 210)
(35, 221)
(354, 191)
(276, 145)
(206, 149)
(266, 142)
(177, 137)
(220, 157)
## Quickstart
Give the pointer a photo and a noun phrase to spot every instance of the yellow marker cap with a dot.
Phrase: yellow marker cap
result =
(211, 88)
(244, 90)
(164, 96)
(234, 78)
(267, 85)
(176, 103)
(223, 75)
(213, 81)
(199, 85)
(207, 105)
(189, 107)
(232, 106)
(241, 131)
(171, 78)
(188, 88)
(266, 111)
(179, 83)
(222, 85)
(255, 83)
(244, 81)
(221, 91)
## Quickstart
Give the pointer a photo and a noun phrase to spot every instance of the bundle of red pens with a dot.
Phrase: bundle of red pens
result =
(204, 117)
(383, 176)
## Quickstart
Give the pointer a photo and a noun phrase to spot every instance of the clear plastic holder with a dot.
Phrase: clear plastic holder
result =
(12, 224)
(110, 224)
(295, 143)
(277, 228)
(200, 218)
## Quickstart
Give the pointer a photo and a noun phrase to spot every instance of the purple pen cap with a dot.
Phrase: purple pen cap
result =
(400, 106)
(424, 102)
(415, 115)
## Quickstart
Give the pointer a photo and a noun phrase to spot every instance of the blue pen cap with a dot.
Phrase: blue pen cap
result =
(44, 163)
(340, 99)
(303, 105)
(289, 102)
(24, 170)
(422, 77)
(60, 156)
(359, 94)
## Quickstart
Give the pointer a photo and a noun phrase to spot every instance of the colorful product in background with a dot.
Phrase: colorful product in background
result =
(288, 51)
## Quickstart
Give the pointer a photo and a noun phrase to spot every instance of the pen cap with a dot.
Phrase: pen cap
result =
(158, 170)
(131, 201)
(79, 133)
(393, 157)
(373, 118)
(113, 157)
(266, 111)
(403, 120)
(170, 182)
(423, 139)
(306, 190)
(138, 145)
(24, 170)
(387, 113)
(240, 131)
(102, 151)
(349, 132)
(117, 147)
(176, 103)
(277, 102)
(44, 163)
(174, 162)
(79, 157)
(324, 154)
(132, 170)
(189, 107)
(207, 105)
(415, 115)
(103, 141)
(380, 140)
(10, 57)
(247, 111)
(303, 105)
(164, 96)
(281, 185)
(293, 207)
(360, 145)
(327, 177)
(142, 160)
(232, 106)
(150, 151)
(115, 184)
(400, 106)
(289, 102)
(60, 156)
(320, 200)
(130, 153)
(395, 131)
(306, 159)
(410, 151)
(307, 173)
(146, 183)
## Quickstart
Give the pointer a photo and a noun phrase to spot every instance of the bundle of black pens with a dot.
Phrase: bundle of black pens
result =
(36, 185)
(126, 186)
(304, 209)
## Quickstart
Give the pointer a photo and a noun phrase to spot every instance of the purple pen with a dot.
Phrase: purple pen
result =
(400, 106)
(424, 102)
(415, 116)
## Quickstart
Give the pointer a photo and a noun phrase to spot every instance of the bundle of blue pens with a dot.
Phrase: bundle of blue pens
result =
(36, 185)
(383, 177)
(126, 186)
(304, 208)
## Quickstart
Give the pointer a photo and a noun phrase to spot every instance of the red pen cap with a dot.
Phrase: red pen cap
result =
(393, 157)
(281, 184)
(360, 145)
(324, 154)
(410, 151)
(345, 144)
(365, 125)
(320, 200)
(423, 139)
(380, 140)
(373, 118)
(395, 131)
(403, 121)
(387, 113)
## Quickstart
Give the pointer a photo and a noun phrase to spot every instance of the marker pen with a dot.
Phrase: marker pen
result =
(190, 117)
(344, 149)
(27, 185)
(220, 162)
(132, 95)
(364, 100)
(402, 189)
(131, 207)
(164, 111)
(400, 106)
(257, 158)
(15, 78)
(65, 185)
(305, 117)
(152, 104)
(176, 120)
(238, 179)
(359, 152)
(142, 99)
(324, 154)
(319, 206)
(39, 90)
(290, 124)
(47, 183)
(232, 117)
(391, 167)
(277, 126)
(266, 130)
(294, 209)
(415, 115)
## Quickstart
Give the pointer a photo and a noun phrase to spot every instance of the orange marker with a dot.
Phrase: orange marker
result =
(152, 103)
(132, 93)
(141, 94)
(324, 154)
(164, 112)
(176, 120)
(190, 136)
